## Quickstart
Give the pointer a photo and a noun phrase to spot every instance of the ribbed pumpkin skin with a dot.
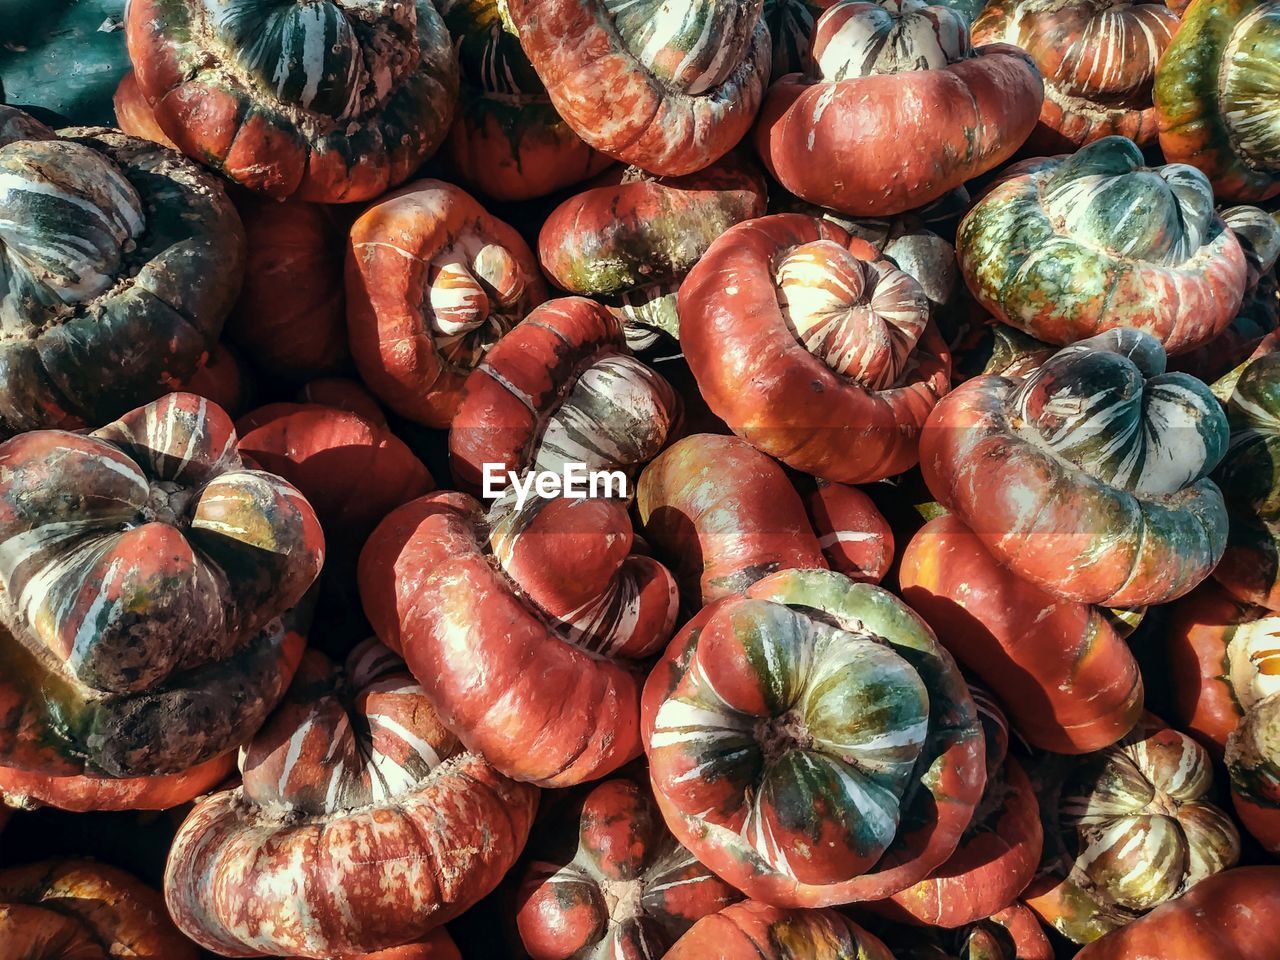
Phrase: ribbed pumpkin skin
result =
(724, 515)
(134, 115)
(1216, 94)
(813, 347)
(117, 285)
(146, 572)
(524, 629)
(757, 931)
(305, 102)
(783, 713)
(1013, 933)
(894, 73)
(1098, 61)
(561, 388)
(791, 24)
(1049, 250)
(1120, 514)
(418, 324)
(1223, 917)
(1129, 830)
(360, 824)
(507, 140)
(667, 89)
(630, 238)
(72, 910)
(1059, 668)
(606, 879)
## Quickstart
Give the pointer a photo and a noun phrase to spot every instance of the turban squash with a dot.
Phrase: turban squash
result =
(561, 388)
(524, 626)
(1053, 251)
(74, 910)
(1217, 94)
(887, 74)
(1089, 476)
(791, 24)
(116, 287)
(606, 879)
(666, 88)
(724, 516)
(433, 281)
(1013, 933)
(146, 570)
(507, 140)
(758, 931)
(356, 778)
(314, 101)
(1098, 60)
(813, 347)
(812, 743)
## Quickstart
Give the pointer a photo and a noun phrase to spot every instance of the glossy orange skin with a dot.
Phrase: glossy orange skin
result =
(759, 378)
(1229, 916)
(134, 115)
(839, 144)
(67, 910)
(1058, 667)
(756, 931)
(82, 792)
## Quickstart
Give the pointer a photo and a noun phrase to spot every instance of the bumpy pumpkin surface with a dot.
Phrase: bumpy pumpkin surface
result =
(1218, 96)
(757, 931)
(666, 88)
(433, 282)
(118, 264)
(326, 102)
(812, 743)
(144, 571)
(1054, 251)
(813, 347)
(1013, 933)
(360, 823)
(887, 74)
(1130, 829)
(1060, 668)
(631, 238)
(1098, 59)
(507, 141)
(606, 879)
(1088, 477)
(524, 627)
(561, 388)
(72, 910)
(724, 515)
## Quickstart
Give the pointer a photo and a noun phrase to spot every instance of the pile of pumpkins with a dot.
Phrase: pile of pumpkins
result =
(935, 350)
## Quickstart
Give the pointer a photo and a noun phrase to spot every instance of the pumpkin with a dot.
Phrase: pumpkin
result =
(990, 347)
(1013, 933)
(65, 56)
(724, 515)
(313, 102)
(561, 388)
(356, 776)
(76, 909)
(1060, 668)
(812, 743)
(343, 394)
(1225, 917)
(606, 879)
(999, 851)
(667, 90)
(291, 314)
(117, 286)
(438, 946)
(1250, 568)
(145, 569)
(134, 115)
(791, 24)
(1216, 96)
(813, 347)
(524, 627)
(758, 931)
(890, 73)
(507, 141)
(224, 381)
(433, 281)
(1089, 476)
(1098, 61)
(1051, 251)
(631, 238)
(1127, 829)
